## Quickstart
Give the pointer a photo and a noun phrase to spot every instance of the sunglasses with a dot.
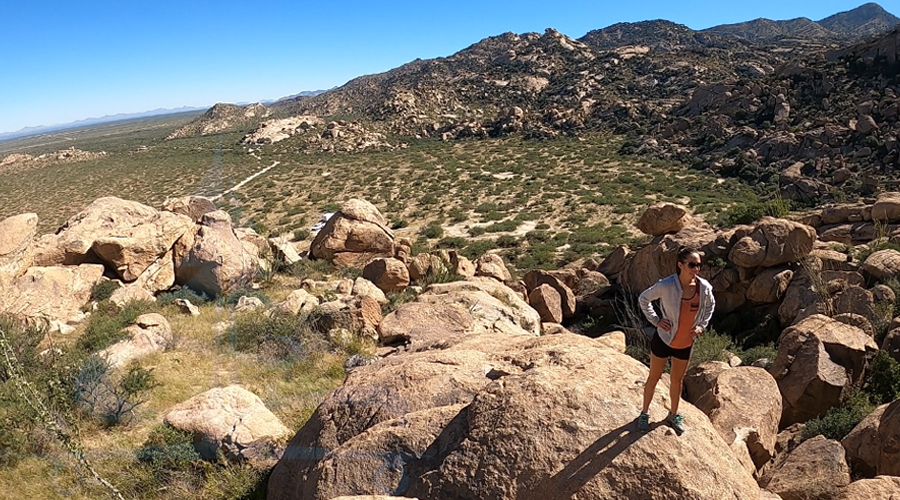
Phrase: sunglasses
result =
(693, 265)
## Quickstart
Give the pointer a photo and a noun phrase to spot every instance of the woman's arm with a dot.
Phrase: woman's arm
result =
(645, 300)
(710, 307)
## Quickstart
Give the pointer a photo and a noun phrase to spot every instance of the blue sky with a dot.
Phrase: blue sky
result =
(64, 61)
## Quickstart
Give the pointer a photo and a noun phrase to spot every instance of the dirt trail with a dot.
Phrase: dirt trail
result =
(248, 179)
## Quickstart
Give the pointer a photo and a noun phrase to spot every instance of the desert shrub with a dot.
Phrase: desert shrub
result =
(23, 341)
(502, 227)
(104, 290)
(167, 447)
(101, 395)
(538, 236)
(477, 230)
(105, 325)
(478, 248)
(457, 215)
(451, 242)
(234, 296)
(840, 420)
(301, 234)
(507, 241)
(432, 231)
(184, 293)
(279, 335)
(307, 268)
(752, 354)
(883, 381)
(748, 213)
(399, 223)
(710, 347)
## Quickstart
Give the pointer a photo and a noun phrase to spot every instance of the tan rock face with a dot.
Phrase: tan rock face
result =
(130, 293)
(130, 251)
(545, 300)
(216, 262)
(361, 232)
(16, 246)
(530, 410)
(773, 242)
(889, 438)
(53, 293)
(104, 217)
(744, 405)
(819, 361)
(365, 288)
(492, 266)
(816, 469)
(887, 207)
(535, 278)
(883, 264)
(657, 259)
(770, 285)
(230, 418)
(493, 305)
(150, 333)
(193, 207)
(461, 265)
(613, 264)
(389, 275)
(879, 488)
(863, 446)
(299, 301)
(418, 322)
(661, 218)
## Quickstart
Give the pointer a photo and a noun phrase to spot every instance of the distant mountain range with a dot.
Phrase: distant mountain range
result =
(864, 21)
(130, 116)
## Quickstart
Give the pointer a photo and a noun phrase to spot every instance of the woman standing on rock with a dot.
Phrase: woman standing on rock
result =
(686, 305)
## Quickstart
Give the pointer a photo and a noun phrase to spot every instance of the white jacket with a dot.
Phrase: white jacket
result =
(669, 293)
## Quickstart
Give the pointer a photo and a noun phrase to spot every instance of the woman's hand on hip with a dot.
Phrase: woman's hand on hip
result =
(696, 332)
(664, 325)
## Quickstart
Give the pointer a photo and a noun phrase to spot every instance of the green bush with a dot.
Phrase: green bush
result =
(105, 325)
(168, 448)
(432, 231)
(710, 347)
(451, 242)
(507, 241)
(839, 421)
(752, 354)
(883, 381)
(280, 335)
(184, 293)
(104, 290)
(748, 213)
(112, 400)
(477, 230)
(301, 234)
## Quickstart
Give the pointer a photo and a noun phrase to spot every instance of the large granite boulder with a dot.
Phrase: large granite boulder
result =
(51, 293)
(73, 242)
(878, 488)
(231, 419)
(150, 333)
(353, 236)
(657, 259)
(889, 440)
(193, 207)
(16, 246)
(744, 406)
(882, 265)
(493, 306)
(661, 218)
(819, 362)
(769, 286)
(887, 207)
(816, 469)
(491, 265)
(129, 251)
(215, 262)
(773, 242)
(390, 275)
(863, 446)
(548, 417)
(537, 277)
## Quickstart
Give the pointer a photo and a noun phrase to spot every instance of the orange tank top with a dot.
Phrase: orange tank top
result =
(689, 308)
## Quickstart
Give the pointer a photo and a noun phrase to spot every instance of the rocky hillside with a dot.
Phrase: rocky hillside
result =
(864, 21)
(222, 117)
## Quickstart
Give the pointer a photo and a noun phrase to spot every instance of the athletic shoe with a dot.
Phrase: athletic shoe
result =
(644, 422)
(677, 422)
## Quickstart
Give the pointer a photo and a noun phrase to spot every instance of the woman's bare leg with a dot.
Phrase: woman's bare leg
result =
(679, 367)
(657, 365)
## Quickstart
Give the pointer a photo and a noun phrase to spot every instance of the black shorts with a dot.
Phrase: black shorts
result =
(662, 350)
